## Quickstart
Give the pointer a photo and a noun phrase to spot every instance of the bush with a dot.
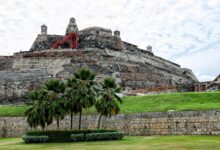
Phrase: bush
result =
(35, 139)
(64, 136)
(54, 136)
(77, 137)
(104, 136)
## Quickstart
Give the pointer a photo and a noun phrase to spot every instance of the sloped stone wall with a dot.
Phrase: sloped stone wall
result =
(26, 71)
(154, 123)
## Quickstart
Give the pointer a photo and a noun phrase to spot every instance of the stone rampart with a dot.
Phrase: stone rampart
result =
(22, 72)
(152, 123)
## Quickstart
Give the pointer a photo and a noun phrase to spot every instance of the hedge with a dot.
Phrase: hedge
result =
(104, 136)
(35, 139)
(77, 137)
(64, 136)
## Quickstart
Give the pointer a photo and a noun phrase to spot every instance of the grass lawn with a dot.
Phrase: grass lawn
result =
(12, 111)
(128, 143)
(148, 103)
(174, 101)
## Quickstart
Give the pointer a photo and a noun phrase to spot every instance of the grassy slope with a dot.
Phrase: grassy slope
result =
(176, 101)
(149, 103)
(128, 143)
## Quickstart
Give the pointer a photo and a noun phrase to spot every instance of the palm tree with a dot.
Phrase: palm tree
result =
(55, 100)
(85, 90)
(72, 98)
(108, 102)
(36, 114)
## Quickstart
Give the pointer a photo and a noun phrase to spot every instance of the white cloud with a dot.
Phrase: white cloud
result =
(177, 30)
(204, 62)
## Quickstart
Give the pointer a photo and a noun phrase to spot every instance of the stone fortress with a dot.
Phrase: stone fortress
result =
(96, 48)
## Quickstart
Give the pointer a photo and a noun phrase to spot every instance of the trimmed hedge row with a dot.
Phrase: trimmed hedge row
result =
(77, 137)
(69, 136)
(64, 136)
(35, 139)
(104, 136)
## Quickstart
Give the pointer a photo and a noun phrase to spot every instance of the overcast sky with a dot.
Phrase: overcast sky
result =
(184, 31)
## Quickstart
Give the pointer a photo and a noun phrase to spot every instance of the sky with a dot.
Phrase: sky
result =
(186, 32)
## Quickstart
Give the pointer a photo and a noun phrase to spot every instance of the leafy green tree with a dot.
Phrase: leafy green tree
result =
(108, 102)
(84, 86)
(55, 100)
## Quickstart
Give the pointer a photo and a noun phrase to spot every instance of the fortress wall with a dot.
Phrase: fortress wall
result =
(50, 64)
(26, 74)
(6, 62)
(145, 58)
(158, 68)
(28, 70)
(152, 123)
(12, 93)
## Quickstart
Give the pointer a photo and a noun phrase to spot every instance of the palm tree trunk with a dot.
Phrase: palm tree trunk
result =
(44, 124)
(100, 117)
(58, 124)
(71, 120)
(80, 116)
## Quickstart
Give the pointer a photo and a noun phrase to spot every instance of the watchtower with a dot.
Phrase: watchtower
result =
(44, 29)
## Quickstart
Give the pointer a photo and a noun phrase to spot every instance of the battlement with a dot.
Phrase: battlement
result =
(92, 37)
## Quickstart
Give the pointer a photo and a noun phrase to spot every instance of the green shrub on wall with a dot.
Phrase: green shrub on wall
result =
(104, 136)
(35, 139)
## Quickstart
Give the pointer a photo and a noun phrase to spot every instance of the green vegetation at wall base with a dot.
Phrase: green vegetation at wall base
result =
(148, 103)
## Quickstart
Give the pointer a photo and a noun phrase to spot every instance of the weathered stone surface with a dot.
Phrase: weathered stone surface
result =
(44, 41)
(154, 123)
(26, 71)
(72, 27)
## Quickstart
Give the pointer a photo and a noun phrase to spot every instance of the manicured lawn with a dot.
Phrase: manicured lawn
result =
(175, 101)
(12, 111)
(148, 103)
(128, 143)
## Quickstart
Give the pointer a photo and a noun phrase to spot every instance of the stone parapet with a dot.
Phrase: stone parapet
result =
(141, 124)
